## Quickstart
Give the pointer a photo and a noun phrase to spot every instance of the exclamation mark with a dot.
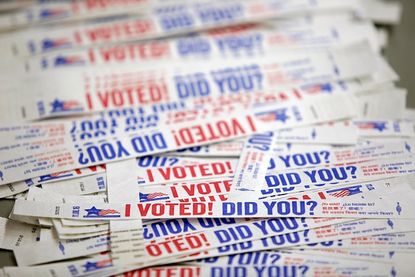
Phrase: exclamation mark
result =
(164, 91)
(205, 239)
(176, 139)
(230, 169)
(210, 208)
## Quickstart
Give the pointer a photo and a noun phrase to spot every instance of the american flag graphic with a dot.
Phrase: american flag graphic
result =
(343, 192)
(69, 60)
(53, 12)
(313, 89)
(95, 212)
(91, 266)
(104, 263)
(371, 125)
(267, 117)
(107, 212)
(55, 43)
(276, 115)
(56, 175)
(61, 174)
(68, 105)
(153, 196)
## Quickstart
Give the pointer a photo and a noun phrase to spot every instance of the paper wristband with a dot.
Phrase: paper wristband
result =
(285, 208)
(184, 82)
(74, 155)
(158, 24)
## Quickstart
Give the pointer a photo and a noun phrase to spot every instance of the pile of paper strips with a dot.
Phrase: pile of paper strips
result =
(204, 138)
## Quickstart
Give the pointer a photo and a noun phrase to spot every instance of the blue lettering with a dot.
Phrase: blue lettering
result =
(194, 85)
(176, 21)
(148, 143)
(240, 79)
(189, 46)
(212, 14)
(283, 179)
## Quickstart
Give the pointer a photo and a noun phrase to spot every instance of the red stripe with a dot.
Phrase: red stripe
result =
(341, 193)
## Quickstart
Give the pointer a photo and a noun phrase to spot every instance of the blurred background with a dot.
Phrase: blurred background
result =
(400, 51)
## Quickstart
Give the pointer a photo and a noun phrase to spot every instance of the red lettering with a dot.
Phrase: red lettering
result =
(192, 169)
(203, 188)
(174, 191)
(199, 132)
(166, 246)
(171, 207)
(103, 98)
(179, 172)
(105, 54)
(143, 209)
(190, 190)
(88, 100)
(184, 209)
(218, 168)
(165, 172)
(237, 128)
(228, 184)
(194, 241)
(119, 31)
(251, 123)
(117, 98)
(157, 209)
(204, 170)
(199, 208)
(91, 55)
(127, 211)
(150, 175)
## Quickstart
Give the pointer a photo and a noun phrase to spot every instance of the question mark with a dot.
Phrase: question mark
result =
(210, 260)
(275, 257)
(173, 161)
(304, 269)
(271, 164)
(258, 40)
(352, 170)
(312, 205)
(82, 159)
(306, 234)
(326, 155)
(327, 243)
(302, 219)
